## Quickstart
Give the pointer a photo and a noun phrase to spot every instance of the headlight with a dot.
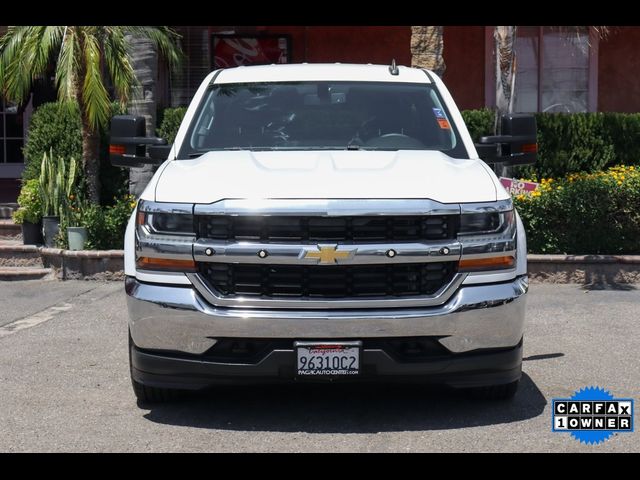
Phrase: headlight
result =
(170, 219)
(165, 232)
(488, 236)
(172, 223)
(485, 223)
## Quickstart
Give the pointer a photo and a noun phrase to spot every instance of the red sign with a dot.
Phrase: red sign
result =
(234, 50)
(518, 187)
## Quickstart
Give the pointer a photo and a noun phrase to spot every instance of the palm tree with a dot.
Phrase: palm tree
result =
(427, 45)
(84, 55)
(505, 38)
(144, 60)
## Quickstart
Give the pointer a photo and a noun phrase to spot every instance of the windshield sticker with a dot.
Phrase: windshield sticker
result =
(438, 113)
(444, 123)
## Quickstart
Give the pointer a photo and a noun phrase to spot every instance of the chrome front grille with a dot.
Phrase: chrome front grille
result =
(318, 254)
(318, 229)
(334, 281)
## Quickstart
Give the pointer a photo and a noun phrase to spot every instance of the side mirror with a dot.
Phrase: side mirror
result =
(128, 143)
(516, 146)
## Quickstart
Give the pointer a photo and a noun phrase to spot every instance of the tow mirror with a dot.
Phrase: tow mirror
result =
(128, 143)
(516, 146)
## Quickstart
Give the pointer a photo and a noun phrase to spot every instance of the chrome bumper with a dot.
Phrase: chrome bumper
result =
(178, 319)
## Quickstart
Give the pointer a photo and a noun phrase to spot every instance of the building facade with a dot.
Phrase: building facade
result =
(572, 69)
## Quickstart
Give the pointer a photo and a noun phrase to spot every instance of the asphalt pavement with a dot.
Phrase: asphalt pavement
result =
(64, 386)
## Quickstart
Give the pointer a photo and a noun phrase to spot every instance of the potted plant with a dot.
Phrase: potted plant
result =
(76, 233)
(56, 184)
(29, 215)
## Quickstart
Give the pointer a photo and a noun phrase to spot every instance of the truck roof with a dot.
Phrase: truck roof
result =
(301, 72)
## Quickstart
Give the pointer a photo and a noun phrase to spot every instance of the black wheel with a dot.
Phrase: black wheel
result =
(495, 392)
(147, 394)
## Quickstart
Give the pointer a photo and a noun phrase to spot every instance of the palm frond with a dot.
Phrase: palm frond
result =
(118, 62)
(16, 62)
(44, 41)
(97, 106)
(68, 66)
(164, 39)
(10, 44)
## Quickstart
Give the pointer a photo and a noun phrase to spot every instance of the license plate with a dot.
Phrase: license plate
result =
(328, 358)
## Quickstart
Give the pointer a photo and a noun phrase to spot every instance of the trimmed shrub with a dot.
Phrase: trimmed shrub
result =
(575, 142)
(479, 122)
(170, 123)
(56, 127)
(53, 127)
(623, 132)
(585, 213)
(569, 143)
(106, 224)
(30, 203)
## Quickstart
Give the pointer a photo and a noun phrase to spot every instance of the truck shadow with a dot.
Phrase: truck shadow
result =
(345, 408)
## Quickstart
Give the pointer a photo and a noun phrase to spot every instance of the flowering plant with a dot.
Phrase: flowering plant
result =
(76, 206)
(584, 213)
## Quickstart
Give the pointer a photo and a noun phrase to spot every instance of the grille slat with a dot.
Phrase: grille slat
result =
(312, 281)
(327, 229)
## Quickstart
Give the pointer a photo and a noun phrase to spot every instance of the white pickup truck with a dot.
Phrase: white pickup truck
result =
(324, 222)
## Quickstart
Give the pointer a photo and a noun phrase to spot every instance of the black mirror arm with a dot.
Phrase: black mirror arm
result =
(129, 160)
(138, 141)
(505, 139)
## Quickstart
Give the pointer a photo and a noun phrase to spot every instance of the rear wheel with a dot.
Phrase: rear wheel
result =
(495, 392)
(147, 394)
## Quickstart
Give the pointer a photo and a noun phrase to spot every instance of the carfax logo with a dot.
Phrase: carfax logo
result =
(592, 415)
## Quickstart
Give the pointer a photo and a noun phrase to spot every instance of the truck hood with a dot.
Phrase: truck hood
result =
(327, 174)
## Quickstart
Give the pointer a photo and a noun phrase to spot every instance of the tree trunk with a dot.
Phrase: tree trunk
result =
(90, 140)
(91, 160)
(427, 45)
(505, 38)
(144, 58)
(505, 42)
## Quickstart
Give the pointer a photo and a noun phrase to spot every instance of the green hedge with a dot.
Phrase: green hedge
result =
(57, 126)
(596, 213)
(479, 122)
(106, 225)
(53, 126)
(577, 142)
(169, 121)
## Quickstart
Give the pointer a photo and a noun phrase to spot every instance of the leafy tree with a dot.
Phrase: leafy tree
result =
(83, 56)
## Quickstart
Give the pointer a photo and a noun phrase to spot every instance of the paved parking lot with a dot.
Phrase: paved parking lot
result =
(65, 386)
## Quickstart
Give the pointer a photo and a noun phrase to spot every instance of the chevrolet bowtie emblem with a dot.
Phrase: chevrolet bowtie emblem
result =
(327, 254)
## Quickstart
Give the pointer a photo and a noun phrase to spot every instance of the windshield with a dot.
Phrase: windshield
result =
(321, 115)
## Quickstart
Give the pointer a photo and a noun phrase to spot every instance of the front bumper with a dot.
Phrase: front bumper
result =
(177, 319)
(466, 370)
(172, 327)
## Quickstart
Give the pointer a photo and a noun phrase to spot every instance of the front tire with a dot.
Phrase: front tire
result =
(146, 394)
(495, 392)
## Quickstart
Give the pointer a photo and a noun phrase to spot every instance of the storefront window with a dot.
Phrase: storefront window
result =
(553, 69)
(11, 133)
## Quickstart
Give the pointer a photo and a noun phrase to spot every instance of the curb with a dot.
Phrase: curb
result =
(84, 264)
(582, 269)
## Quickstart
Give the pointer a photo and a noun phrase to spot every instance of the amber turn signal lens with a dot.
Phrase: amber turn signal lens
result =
(116, 149)
(492, 263)
(166, 264)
